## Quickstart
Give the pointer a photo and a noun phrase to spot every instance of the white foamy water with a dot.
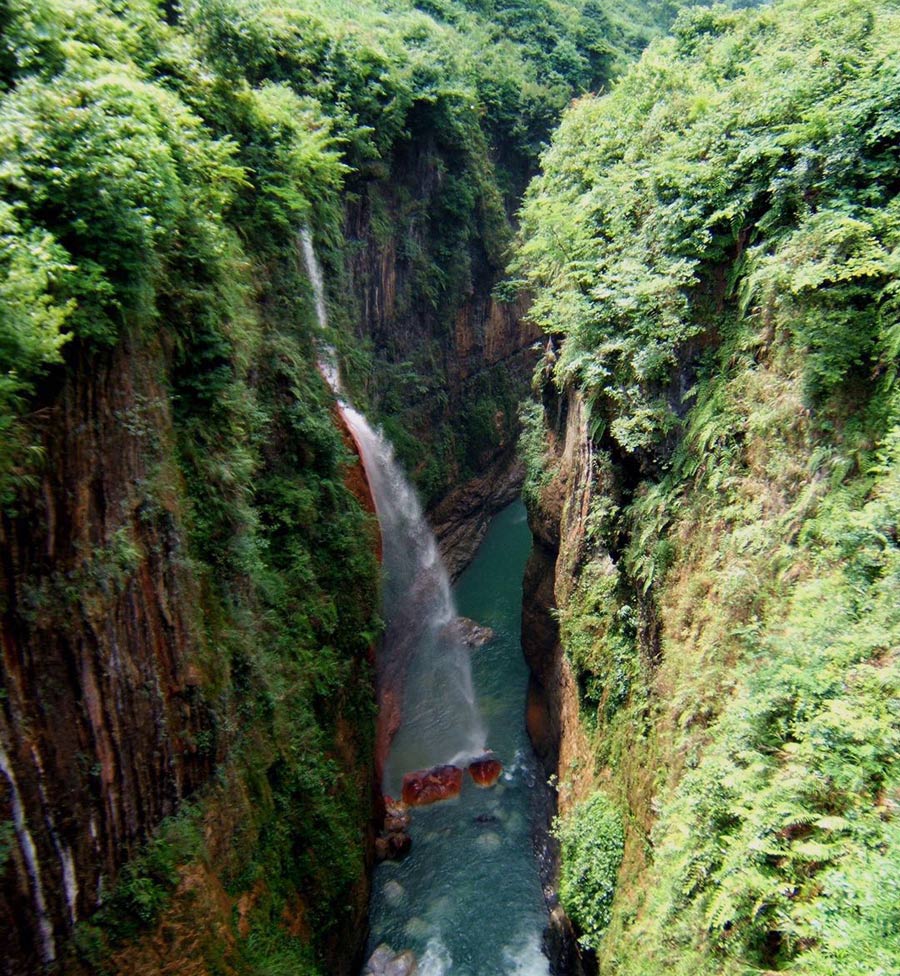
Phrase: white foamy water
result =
(525, 958)
(422, 660)
(421, 657)
(315, 276)
(436, 960)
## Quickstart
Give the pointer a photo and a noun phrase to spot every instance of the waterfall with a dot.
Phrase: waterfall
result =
(30, 857)
(315, 276)
(424, 672)
(327, 361)
(423, 660)
(66, 858)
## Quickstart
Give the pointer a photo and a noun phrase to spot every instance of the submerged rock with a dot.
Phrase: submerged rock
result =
(485, 771)
(489, 841)
(416, 928)
(402, 965)
(379, 960)
(472, 634)
(399, 845)
(431, 785)
(393, 893)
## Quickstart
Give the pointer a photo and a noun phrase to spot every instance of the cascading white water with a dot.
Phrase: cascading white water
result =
(422, 652)
(315, 276)
(424, 667)
(467, 900)
(29, 855)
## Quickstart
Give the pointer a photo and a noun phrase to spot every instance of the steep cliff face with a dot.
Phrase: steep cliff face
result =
(190, 587)
(558, 502)
(102, 710)
(557, 511)
(726, 570)
(451, 362)
(117, 704)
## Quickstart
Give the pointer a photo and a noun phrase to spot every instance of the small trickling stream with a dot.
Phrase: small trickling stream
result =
(467, 899)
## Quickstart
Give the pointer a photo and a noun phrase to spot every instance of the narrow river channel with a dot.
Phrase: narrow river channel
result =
(467, 899)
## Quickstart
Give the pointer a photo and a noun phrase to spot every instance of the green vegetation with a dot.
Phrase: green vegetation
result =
(150, 197)
(533, 450)
(159, 161)
(592, 842)
(145, 883)
(715, 246)
(148, 147)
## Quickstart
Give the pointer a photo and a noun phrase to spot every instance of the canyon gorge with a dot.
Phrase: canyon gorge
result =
(449, 460)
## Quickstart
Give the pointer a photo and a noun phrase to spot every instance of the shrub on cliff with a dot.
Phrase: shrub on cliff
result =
(592, 842)
(749, 156)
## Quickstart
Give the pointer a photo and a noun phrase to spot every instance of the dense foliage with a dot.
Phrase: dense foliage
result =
(137, 139)
(714, 248)
(591, 841)
(442, 214)
(149, 194)
(158, 162)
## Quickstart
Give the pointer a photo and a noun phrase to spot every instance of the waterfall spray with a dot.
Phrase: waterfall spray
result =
(425, 687)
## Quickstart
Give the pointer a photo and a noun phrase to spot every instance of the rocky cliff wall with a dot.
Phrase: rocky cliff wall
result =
(558, 517)
(102, 712)
(450, 360)
(119, 706)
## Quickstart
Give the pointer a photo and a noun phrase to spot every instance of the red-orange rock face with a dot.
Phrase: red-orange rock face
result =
(485, 772)
(430, 785)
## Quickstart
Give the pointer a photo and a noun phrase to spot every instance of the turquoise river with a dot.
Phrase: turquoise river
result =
(467, 900)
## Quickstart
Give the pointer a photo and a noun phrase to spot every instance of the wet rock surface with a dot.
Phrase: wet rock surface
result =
(102, 685)
(485, 772)
(431, 785)
(472, 634)
(385, 962)
(461, 518)
(394, 843)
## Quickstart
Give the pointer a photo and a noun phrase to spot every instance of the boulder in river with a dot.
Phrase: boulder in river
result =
(485, 771)
(431, 785)
(399, 845)
(396, 816)
(489, 841)
(392, 847)
(385, 962)
(472, 634)
(378, 960)
(394, 842)
(403, 964)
